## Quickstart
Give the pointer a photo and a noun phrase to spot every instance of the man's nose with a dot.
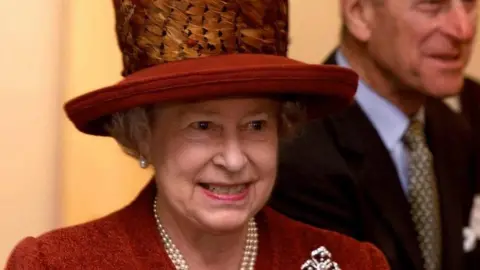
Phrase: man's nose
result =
(461, 22)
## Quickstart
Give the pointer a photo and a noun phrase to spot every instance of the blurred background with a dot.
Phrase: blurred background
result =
(52, 50)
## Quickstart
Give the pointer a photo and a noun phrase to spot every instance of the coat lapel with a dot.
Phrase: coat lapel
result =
(470, 102)
(331, 59)
(370, 162)
(448, 167)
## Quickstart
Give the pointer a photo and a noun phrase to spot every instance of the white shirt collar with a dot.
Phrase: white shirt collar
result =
(390, 122)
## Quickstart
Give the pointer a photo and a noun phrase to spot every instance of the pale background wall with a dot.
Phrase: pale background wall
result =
(30, 89)
(57, 49)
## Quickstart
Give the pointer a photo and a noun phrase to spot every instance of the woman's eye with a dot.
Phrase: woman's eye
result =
(257, 125)
(202, 125)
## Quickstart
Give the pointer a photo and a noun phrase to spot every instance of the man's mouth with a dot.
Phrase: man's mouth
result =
(447, 57)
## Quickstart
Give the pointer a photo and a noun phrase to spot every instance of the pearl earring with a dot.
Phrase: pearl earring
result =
(143, 162)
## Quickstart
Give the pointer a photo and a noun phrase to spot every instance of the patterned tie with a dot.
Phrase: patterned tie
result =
(423, 196)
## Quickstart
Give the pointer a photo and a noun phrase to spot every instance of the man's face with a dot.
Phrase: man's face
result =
(424, 44)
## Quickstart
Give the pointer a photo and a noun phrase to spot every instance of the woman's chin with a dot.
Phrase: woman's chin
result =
(224, 221)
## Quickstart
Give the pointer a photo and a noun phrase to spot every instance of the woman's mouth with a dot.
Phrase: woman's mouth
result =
(226, 192)
(233, 189)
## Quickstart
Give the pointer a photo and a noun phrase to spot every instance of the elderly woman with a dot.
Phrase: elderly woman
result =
(208, 93)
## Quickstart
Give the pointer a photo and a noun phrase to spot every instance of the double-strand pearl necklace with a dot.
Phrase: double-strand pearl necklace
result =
(249, 253)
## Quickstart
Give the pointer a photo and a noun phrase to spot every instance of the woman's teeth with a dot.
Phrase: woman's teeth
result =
(225, 190)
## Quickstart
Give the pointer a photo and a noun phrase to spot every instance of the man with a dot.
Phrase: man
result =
(397, 167)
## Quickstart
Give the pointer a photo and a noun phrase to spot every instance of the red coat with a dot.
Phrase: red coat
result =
(128, 239)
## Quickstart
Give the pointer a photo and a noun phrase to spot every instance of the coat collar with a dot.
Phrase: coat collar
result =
(140, 226)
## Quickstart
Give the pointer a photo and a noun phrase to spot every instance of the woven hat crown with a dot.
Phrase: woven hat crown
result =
(152, 32)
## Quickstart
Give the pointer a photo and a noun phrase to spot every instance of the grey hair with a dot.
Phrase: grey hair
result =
(132, 128)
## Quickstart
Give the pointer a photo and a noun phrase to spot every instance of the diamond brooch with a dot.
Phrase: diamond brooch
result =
(321, 259)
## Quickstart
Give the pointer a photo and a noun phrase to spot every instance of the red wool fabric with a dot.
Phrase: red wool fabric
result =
(128, 239)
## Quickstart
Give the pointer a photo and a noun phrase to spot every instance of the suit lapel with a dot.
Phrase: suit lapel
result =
(331, 59)
(370, 162)
(443, 148)
(470, 100)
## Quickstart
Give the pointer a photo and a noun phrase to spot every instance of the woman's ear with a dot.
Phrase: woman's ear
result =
(358, 17)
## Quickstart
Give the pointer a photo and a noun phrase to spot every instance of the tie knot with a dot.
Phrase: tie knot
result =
(415, 135)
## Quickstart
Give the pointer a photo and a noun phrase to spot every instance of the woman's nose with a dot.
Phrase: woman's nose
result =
(232, 156)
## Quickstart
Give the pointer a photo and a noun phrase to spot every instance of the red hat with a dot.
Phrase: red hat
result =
(176, 50)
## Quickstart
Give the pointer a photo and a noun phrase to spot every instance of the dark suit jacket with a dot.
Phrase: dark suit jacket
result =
(129, 239)
(338, 175)
(470, 102)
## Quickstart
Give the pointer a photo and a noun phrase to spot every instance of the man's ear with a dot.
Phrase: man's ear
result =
(358, 17)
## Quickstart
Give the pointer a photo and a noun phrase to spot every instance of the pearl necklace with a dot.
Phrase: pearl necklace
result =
(249, 255)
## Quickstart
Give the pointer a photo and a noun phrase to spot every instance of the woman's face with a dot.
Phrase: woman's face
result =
(215, 161)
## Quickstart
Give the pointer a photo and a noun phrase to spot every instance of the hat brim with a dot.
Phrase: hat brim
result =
(323, 88)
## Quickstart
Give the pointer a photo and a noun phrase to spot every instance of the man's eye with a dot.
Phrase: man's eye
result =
(433, 2)
(431, 5)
